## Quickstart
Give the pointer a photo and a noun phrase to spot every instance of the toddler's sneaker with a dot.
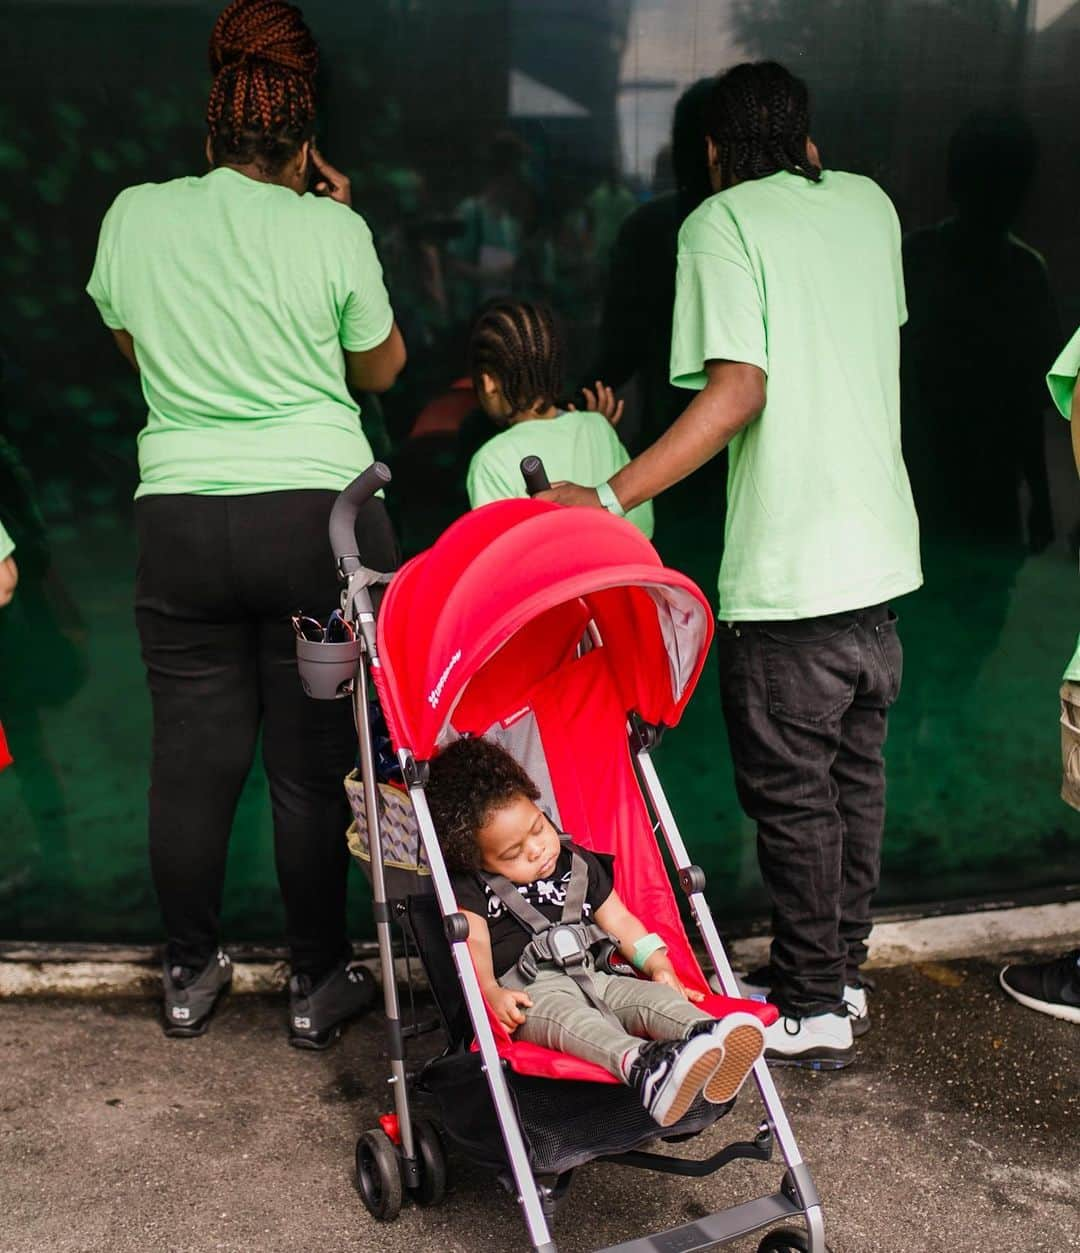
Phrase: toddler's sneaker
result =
(191, 996)
(742, 1038)
(1051, 987)
(668, 1075)
(316, 1013)
(820, 1042)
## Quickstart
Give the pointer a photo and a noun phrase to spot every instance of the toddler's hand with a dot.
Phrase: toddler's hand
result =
(666, 975)
(603, 401)
(505, 1005)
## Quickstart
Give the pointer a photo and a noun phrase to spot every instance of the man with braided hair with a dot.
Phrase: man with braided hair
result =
(789, 301)
(248, 308)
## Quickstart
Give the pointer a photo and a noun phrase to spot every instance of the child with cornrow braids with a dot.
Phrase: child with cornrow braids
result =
(248, 307)
(515, 358)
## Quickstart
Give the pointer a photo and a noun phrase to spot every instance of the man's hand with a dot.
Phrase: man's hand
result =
(505, 1005)
(328, 181)
(664, 973)
(571, 494)
(603, 401)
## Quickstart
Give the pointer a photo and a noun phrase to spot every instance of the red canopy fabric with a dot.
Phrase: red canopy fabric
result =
(504, 596)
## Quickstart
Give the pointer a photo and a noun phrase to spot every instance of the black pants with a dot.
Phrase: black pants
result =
(218, 578)
(806, 705)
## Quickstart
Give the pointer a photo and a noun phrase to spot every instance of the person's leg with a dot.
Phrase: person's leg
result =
(200, 665)
(785, 688)
(308, 745)
(651, 1011)
(561, 1018)
(859, 771)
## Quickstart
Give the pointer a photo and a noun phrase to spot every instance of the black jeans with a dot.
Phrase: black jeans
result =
(806, 705)
(218, 578)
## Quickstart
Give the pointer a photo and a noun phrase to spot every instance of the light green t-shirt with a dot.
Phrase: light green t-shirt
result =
(804, 280)
(1062, 383)
(7, 544)
(580, 447)
(240, 297)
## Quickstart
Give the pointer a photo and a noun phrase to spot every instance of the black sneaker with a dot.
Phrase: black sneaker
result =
(742, 1038)
(1051, 987)
(316, 1014)
(191, 996)
(668, 1075)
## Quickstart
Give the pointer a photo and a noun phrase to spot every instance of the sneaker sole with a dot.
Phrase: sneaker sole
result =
(822, 1059)
(695, 1079)
(743, 1045)
(1067, 1013)
(317, 1043)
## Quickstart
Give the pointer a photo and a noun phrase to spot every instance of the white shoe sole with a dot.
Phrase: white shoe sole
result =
(698, 1060)
(743, 1038)
(1065, 1012)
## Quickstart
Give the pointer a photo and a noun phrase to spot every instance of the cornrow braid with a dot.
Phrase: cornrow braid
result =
(759, 119)
(519, 345)
(262, 102)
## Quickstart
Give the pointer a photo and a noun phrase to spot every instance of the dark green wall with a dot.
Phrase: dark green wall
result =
(98, 96)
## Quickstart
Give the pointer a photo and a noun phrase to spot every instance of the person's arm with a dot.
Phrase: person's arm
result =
(1074, 423)
(731, 399)
(127, 347)
(9, 580)
(505, 1002)
(376, 370)
(619, 922)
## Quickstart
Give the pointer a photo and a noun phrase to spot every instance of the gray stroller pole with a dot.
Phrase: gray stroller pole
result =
(381, 909)
(798, 1187)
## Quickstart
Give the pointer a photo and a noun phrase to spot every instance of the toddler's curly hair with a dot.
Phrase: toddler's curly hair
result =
(469, 780)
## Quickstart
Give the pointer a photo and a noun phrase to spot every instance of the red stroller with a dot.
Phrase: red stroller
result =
(559, 634)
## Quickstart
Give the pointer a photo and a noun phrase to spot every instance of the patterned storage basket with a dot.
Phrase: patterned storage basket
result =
(404, 859)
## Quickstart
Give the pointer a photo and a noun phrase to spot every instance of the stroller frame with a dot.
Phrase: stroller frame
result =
(796, 1198)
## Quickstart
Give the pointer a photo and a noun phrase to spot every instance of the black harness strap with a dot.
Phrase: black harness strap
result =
(565, 944)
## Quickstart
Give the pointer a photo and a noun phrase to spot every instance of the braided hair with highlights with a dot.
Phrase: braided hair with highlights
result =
(759, 120)
(518, 344)
(262, 102)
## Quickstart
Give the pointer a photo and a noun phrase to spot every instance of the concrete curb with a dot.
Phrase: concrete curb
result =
(991, 933)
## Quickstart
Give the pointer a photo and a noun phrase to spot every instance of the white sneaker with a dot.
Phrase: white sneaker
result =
(823, 1042)
(755, 986)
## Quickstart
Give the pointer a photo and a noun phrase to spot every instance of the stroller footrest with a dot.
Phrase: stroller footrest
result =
(713, 1229)
(696, 1167)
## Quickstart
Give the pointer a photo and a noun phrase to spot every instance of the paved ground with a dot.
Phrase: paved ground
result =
(956, 1132)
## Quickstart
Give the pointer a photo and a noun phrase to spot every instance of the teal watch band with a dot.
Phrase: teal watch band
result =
(644, 949)
(609, 500)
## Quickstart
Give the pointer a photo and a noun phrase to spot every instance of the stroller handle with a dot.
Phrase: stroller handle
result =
(348, 504)
(534, 474)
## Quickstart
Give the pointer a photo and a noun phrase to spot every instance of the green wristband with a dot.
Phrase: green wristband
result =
(644, 949)
(606, 494)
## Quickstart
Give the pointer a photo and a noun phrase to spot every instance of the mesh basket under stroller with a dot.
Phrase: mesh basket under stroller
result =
(561, 635)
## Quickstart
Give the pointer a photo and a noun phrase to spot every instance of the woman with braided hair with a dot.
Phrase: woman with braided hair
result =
(788, 305)
(249, 308)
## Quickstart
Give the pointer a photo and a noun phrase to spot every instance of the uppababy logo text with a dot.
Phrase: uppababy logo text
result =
(435, 695)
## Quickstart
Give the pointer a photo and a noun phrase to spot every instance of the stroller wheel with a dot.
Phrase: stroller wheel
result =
(378, 1175)
(432, 1159)
(784, 1240)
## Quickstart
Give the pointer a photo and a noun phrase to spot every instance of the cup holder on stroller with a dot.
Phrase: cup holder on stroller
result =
(327, 671)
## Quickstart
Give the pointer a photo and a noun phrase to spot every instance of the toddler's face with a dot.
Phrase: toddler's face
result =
(519, 842)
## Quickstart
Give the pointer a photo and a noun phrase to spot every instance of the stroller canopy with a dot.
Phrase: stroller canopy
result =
(470, 626)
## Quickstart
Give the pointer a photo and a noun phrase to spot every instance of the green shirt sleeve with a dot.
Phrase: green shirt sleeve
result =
(101, 284)
(7, 544)
(487, 479)
(719, 314)
(366, 318)
(1062, 377)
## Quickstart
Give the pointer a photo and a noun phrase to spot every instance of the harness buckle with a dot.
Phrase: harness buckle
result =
(566, 946)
